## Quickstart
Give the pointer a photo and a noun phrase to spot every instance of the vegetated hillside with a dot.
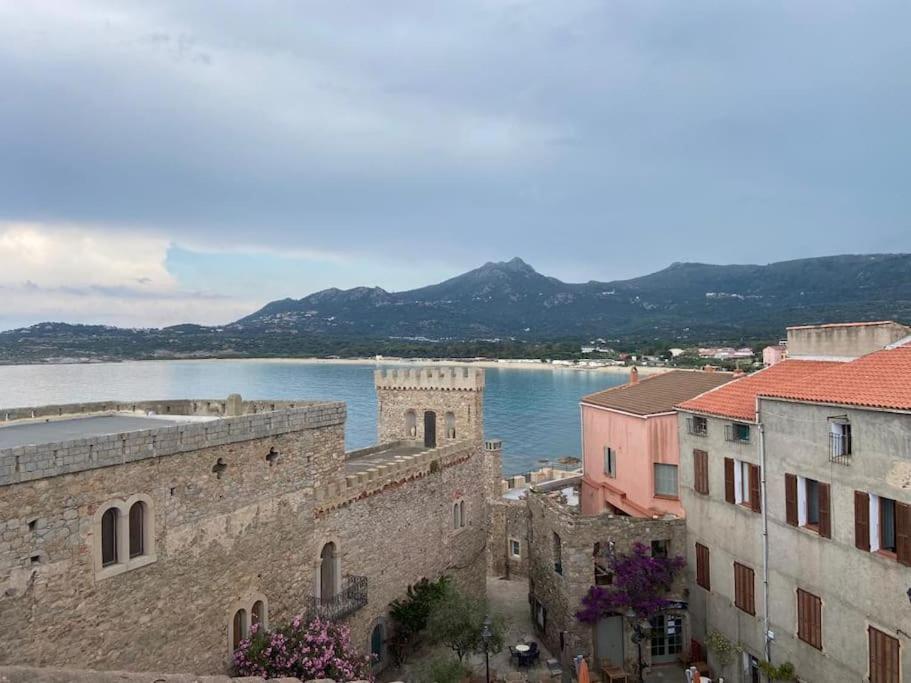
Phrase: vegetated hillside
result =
(523, 309)
(684, 301)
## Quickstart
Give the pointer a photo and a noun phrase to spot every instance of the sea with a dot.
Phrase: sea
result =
(535, 412)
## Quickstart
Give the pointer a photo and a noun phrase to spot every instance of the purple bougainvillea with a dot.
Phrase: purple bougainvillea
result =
(305, 650)
(640, 585)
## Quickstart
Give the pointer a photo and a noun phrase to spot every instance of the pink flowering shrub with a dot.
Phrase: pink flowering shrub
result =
(318, 649)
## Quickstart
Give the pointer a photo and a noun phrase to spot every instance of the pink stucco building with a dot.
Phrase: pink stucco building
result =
(629, 443)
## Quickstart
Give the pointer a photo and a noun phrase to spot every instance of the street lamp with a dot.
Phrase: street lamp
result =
(639, 634)
(486, 635)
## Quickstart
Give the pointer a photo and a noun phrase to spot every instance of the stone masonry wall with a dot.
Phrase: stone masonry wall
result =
(440, 390)
(561, 595)
(28, 674)
(508, 520)
(26, 463)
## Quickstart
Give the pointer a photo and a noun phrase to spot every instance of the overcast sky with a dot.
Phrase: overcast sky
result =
(163, 162)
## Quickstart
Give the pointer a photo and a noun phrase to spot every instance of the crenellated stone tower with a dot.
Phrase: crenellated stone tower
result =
(430, 406)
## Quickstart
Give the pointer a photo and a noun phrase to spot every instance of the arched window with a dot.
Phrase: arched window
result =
(456, 516)
(328, 571)
(240, 628)
(258, 614)
(109, 537)
(377, 641)
(450, 425)
(411, 424)
(137, 529)
(461, 513)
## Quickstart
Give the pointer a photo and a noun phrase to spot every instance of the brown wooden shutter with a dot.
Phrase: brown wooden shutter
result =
(825, 511)
(755, 489)
(790, 499)
(884, 657)
(701, 471)
(729, 480)
(703, 571)
(861, 520)
(903, 533)
(809, 618)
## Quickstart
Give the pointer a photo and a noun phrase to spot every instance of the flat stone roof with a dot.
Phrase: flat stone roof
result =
(381, 456)
(27, 433)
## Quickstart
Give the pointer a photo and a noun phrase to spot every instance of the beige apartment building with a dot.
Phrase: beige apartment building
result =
(798, 500)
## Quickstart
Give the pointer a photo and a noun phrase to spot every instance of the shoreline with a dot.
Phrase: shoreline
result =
(487, 364)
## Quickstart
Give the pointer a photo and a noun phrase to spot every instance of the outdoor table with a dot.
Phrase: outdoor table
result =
(522, 648)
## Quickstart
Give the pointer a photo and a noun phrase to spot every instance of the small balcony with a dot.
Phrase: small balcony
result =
(697, 426)
(351, 598)
(840, 448)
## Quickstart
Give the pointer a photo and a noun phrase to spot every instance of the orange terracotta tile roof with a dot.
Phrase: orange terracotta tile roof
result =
(658, 393)
(737, 399)
(878, 380)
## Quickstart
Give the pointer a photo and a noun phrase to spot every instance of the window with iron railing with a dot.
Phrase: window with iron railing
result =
(737, 432)
(840, 446)
(697, 426)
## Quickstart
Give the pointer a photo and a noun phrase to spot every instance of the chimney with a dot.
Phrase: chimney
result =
(634, 375)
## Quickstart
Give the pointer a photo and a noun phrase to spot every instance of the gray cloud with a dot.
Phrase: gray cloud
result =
(595, 139)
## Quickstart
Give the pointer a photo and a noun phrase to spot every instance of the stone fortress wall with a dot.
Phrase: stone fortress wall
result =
(239, 510)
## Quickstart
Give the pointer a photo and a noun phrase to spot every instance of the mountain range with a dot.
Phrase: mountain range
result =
(685, 302)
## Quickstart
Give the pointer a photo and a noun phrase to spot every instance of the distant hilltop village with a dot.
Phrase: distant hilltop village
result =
(153, 536)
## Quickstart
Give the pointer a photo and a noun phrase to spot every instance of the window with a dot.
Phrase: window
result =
(744, 597)
(515, 548)
(411, 424)
(882, 525)
(703, 568)
(377, 644)
(660, 548)
(885, 657)
(839, 440)
(450, 426)
(666, 480)
(109, 524)
(809, 618)
(239, 631)
(807, 504)
(558, 555)
(610, 462)
(123, 536)
(462, 517)
(697, 426)
(258, 614)
(328, 572)
(701, 471)
(137, 529)
(741, 484)
(456, 516)
(737, 432)
(603, 575)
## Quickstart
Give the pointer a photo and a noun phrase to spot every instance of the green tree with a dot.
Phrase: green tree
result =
(409, 615)
(457, 620)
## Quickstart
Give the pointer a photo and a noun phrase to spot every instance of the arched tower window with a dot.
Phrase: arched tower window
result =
(137, 529)
(450, 425)
(240, 628)
(430, 429)
(461, 513)
(328, 571)
(109, 524)
(258, 614)
(456, 516)
(411, 424)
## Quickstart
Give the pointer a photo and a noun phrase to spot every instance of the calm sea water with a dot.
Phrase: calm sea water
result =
(535, 412)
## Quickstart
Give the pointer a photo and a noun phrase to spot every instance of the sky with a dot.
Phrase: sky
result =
(189, 161)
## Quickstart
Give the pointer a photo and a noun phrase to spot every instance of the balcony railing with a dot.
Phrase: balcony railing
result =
(697, 427)
(840, 448)
(349, 600)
